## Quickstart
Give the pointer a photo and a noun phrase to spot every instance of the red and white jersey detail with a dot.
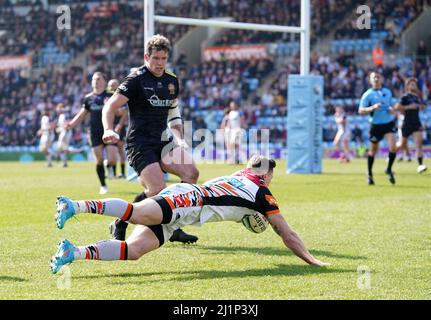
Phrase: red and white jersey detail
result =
(225, 198)
(251, 176)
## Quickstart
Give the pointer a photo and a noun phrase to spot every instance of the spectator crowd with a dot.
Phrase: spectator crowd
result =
(110, 38)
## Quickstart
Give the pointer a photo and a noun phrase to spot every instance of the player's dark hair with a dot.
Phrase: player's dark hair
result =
(157, 43)
(258, 164)
(409, 80)
(60, 107)
(101, 74)
(374, 71)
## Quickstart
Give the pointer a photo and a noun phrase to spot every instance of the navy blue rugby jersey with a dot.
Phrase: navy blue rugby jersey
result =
(411, 117)
(150, 99)
(94, 103)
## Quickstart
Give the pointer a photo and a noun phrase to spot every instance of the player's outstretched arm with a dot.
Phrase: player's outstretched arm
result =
(77, 119)
(292, 240)
(115, 102)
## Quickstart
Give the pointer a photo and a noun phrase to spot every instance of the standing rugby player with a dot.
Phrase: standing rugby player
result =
(93, 105)
(63, 134)
(377, 103)
(410, 105)
(151, 93)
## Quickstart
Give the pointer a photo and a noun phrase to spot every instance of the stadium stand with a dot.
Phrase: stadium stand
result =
(65, 61)
(388, 21)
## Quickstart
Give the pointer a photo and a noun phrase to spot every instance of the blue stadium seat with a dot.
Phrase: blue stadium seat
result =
(383, 34)
(335, 46)
(374, 35)
(348, 101)
(358, 45)
(367, 45)
(361, 44)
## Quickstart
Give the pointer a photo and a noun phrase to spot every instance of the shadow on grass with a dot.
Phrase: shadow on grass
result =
(192, 275)
(8, 278)
(277, 252)
(388, 186)
(343, 174)
(127, 194)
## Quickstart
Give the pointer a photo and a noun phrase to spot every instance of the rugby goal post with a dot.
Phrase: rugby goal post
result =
(297, 163)
(150, 18)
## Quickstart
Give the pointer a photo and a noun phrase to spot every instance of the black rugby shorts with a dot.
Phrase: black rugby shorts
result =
(144, 154)
(378, 131)
(408, 129)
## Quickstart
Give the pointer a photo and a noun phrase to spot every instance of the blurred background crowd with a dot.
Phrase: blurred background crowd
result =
(108, 36)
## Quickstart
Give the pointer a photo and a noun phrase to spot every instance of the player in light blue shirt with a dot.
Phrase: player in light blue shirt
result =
(377, 103)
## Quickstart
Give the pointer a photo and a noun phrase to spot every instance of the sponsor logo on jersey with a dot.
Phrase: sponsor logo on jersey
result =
(167, 192)
(156, 102)
(96, 107)
(171, 88)
(236, 183)
(122, 87)
(271, 200)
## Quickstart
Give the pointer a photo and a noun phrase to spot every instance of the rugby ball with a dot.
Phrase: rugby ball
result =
(256, 222)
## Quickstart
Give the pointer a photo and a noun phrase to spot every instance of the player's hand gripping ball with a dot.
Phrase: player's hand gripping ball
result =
(256, 222)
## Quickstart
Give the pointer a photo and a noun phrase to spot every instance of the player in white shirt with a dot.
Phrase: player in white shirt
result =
(226, 130)
(63, 134)
(235, 124)
(343, 135)
(46, 137)
(228, 198)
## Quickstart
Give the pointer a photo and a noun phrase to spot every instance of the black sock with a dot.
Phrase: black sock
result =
(392, 156)
(370, 165)
(114, 169)
(121, 224)
(123, 169)
(420, 160)
(140, 197)
(101, 174)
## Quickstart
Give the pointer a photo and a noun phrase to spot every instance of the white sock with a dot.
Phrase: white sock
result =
(63, 158)
(107, 250)
(79, 207)
(80, 253)
(111, 207)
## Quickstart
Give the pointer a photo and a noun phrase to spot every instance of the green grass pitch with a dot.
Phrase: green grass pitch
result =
(377, 239)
